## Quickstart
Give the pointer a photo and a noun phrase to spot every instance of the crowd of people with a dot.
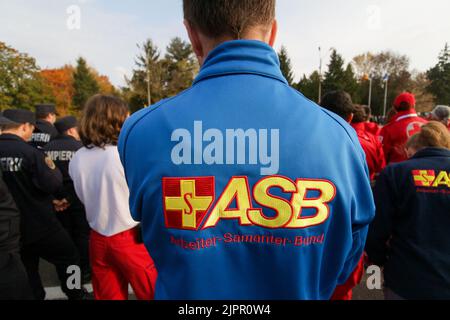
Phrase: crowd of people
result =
(87, 192)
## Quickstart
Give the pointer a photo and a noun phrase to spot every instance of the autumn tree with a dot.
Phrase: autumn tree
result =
(61, 83)
(376, 66)
(286, 65)
(439, 77)
(21, 85)
(84, 84)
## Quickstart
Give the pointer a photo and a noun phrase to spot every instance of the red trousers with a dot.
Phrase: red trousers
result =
(118, 261)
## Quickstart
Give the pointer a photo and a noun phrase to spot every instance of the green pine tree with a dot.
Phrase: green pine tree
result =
(180, 67)
(286, 65)
(439, 77)
(309, 87)
(84, 84)
(335, 75)
(338, 78)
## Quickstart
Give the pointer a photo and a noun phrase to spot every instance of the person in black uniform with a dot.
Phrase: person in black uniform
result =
(32, 179)
(13, 277)
(410, 235)
(45, 130)
(61, 150)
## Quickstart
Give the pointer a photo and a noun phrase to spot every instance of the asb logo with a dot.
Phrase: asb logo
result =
(429, 179)
(188, 201)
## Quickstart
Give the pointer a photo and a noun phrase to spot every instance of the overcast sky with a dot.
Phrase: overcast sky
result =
(110, 29)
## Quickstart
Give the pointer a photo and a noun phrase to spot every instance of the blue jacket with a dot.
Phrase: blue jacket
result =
(410, 234)
(245, 188)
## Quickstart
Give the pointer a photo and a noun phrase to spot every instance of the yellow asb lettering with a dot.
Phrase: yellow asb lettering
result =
(237, 189)
(443, 179)
(281, 206)
(299, 201)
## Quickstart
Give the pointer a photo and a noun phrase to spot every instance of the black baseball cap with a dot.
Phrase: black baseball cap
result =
(66, 123)
(4, 121)
(43, 109)
(19, 116)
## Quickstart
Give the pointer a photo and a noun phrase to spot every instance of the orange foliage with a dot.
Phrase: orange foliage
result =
(61, 83)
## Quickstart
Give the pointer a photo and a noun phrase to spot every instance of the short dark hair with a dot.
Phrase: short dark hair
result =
(233, 18)
(339, 102)
(403, 106)
(42, 116)
(359, 114)
(368, 111)
(102, 121)
(12, 126)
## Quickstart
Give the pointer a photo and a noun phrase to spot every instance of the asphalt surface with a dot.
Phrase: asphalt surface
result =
(50, 281)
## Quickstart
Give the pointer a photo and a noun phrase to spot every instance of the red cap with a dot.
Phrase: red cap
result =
(406, 97)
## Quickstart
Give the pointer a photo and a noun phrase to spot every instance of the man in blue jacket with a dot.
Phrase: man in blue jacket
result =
(245, 188)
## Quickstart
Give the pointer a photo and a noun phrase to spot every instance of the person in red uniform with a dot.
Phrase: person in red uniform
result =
(369, 126)
(370, 143)
(402, 126)
(340, 102)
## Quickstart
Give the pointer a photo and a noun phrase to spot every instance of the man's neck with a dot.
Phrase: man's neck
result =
(14, 133)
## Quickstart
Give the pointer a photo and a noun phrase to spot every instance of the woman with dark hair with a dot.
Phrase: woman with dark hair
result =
(410, 235)
(117, 255)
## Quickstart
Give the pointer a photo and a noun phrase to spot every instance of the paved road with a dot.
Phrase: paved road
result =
(51, 283)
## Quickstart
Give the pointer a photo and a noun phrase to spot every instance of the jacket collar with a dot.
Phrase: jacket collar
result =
(432, 152)
(242, 57)
(411, 113)
(9, 136)
(359, 126)
(65, 137)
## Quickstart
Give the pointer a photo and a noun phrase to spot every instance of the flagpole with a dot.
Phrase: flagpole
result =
(386, 97)
(320, 76)
(370, 91)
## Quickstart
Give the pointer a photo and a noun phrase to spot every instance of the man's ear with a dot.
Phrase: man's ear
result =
(350, 118)
(273, 33)
(195, 41)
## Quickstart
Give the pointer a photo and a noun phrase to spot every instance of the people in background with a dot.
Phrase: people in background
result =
(45, 130)
(14, 283)
(410, 235)
(118, 256)
(340, 102)
(403, 125)
(32, 180)
(441, 114)
(369, 126)
(71, 211)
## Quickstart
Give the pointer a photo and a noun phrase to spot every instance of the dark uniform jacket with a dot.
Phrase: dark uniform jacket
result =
(43, 134)
(410, 236)
(32, 179)
(61, 150)
(9, 221)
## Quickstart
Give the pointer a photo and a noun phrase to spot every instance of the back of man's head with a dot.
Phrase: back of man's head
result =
(339, 102)
(359, 114)
(229, 18)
